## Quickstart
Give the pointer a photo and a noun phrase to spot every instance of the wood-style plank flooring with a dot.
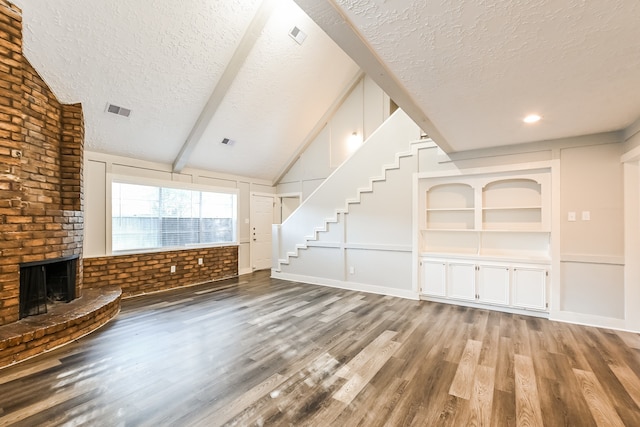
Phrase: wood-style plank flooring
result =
(260, 351)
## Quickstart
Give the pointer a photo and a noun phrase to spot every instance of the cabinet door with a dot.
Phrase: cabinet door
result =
(493, 284)
(433, 278)
(530, 287)
(462, 281)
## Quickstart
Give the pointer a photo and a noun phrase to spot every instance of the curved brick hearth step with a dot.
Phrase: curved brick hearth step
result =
(63, 323)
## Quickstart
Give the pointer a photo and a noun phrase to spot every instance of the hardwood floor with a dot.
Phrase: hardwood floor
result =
(260, 351)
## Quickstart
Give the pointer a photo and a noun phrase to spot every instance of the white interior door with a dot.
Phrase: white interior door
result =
(261, 221)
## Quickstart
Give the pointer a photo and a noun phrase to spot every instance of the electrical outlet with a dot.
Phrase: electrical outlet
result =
(173, 268)
(200, 261)
(571, 216)
(352, 270)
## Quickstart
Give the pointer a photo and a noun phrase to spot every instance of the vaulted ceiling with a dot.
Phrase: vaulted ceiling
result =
(198, 71)
(193, 73)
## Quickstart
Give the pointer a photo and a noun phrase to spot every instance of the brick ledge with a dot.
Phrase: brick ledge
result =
(63, 323)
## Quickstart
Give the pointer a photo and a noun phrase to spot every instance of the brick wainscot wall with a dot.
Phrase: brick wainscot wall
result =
(138, 274)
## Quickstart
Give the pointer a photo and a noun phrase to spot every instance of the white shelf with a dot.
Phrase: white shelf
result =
(486, 257)
(486, 238)
(491, 216)
(486, 230)
(514, 229)
(450, 209)
(468, 230)
(511, 208)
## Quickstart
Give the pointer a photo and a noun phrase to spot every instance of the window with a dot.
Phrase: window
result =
(150, 217)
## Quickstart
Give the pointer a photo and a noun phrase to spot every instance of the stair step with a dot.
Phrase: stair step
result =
(415, 146)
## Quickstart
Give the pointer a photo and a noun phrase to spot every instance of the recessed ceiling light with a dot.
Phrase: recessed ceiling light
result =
(532, 118)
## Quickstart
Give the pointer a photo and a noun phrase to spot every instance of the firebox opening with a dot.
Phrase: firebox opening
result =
(45, 283)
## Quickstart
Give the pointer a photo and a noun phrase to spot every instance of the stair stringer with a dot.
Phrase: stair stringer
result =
(395, 139)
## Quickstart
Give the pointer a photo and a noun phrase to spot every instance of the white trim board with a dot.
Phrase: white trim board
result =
(351, 286)
(484, 306)
(631, 156)
(531, 166)
(590, 320)
(592, 259)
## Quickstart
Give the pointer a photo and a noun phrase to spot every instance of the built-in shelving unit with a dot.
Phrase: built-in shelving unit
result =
(485, 238)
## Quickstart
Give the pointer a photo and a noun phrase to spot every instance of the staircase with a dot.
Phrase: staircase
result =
(396, 138)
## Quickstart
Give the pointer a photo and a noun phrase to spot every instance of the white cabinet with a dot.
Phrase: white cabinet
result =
(433, 275)
(493, 284)
(518, 286)
(485, 238)
(462, 281)
(529, 288)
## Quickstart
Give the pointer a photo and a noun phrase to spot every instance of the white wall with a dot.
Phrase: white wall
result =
(363, 111)
(369, 248)
(592, 252)
(99, 167)
(588, 280)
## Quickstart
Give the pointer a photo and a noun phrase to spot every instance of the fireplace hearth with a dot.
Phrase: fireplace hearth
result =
(47, 282)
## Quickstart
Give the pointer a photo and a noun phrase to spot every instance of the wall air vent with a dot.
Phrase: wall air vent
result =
(227, 141)
(120, 111)
(298, 35)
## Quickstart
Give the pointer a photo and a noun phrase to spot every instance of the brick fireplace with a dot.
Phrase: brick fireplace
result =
(41, 161)
(43, 284)
(42, 221)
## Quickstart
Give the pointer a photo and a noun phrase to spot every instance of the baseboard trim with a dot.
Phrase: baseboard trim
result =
(505, 309)
(351, 286)
(591, 320)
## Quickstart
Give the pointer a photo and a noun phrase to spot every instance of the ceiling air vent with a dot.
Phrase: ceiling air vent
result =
(298, 35)
(227, 141)
(114, 109)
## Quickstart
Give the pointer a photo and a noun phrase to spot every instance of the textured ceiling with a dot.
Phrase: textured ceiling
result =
(163, 59)
(278, 96)
(468, 71)
(476, 68)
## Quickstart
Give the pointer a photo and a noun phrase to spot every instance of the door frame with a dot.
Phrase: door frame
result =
(253, 194)
(281, 196)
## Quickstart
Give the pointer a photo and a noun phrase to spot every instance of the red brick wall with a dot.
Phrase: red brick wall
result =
(143, 273)
(41, 150)
(24, 339)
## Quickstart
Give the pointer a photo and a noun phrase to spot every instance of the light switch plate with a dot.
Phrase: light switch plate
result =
(586, 216)
(571, 216)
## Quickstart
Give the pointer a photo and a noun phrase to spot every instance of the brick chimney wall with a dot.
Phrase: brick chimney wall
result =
(41, 161)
